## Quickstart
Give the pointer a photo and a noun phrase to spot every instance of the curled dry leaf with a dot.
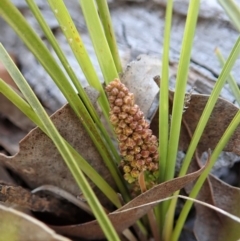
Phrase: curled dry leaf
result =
(16, 196)
(222, 115)
(21, 227)
(38, 161)
(211, 225)
(127, 215)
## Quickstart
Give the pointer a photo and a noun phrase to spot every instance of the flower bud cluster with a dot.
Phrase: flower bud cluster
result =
(138, 147)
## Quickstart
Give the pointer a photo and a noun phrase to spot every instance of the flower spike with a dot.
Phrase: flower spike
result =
(138, 147)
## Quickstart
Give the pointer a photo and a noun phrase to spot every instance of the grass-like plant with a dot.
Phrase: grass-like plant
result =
(96, 14)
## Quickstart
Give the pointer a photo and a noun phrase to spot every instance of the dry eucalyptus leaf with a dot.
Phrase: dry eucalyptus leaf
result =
(127, 215)
(17, 196)
(227, 198)
(222, 115)
(219, 120)
(21, 227)
(211, 225)
(38, 161)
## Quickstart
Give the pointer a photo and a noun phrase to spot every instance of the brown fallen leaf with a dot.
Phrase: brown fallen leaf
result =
(21, 227)
(222, 115)
(211, 225)
(16, 196)
(127, 215)
(38, 161)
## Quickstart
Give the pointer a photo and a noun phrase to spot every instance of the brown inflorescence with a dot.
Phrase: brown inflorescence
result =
(138, 147)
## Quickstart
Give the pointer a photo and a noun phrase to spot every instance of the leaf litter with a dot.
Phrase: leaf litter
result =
(212, 225)
(38, 159)
(127, 215)
(19, 197)
(22, 227)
